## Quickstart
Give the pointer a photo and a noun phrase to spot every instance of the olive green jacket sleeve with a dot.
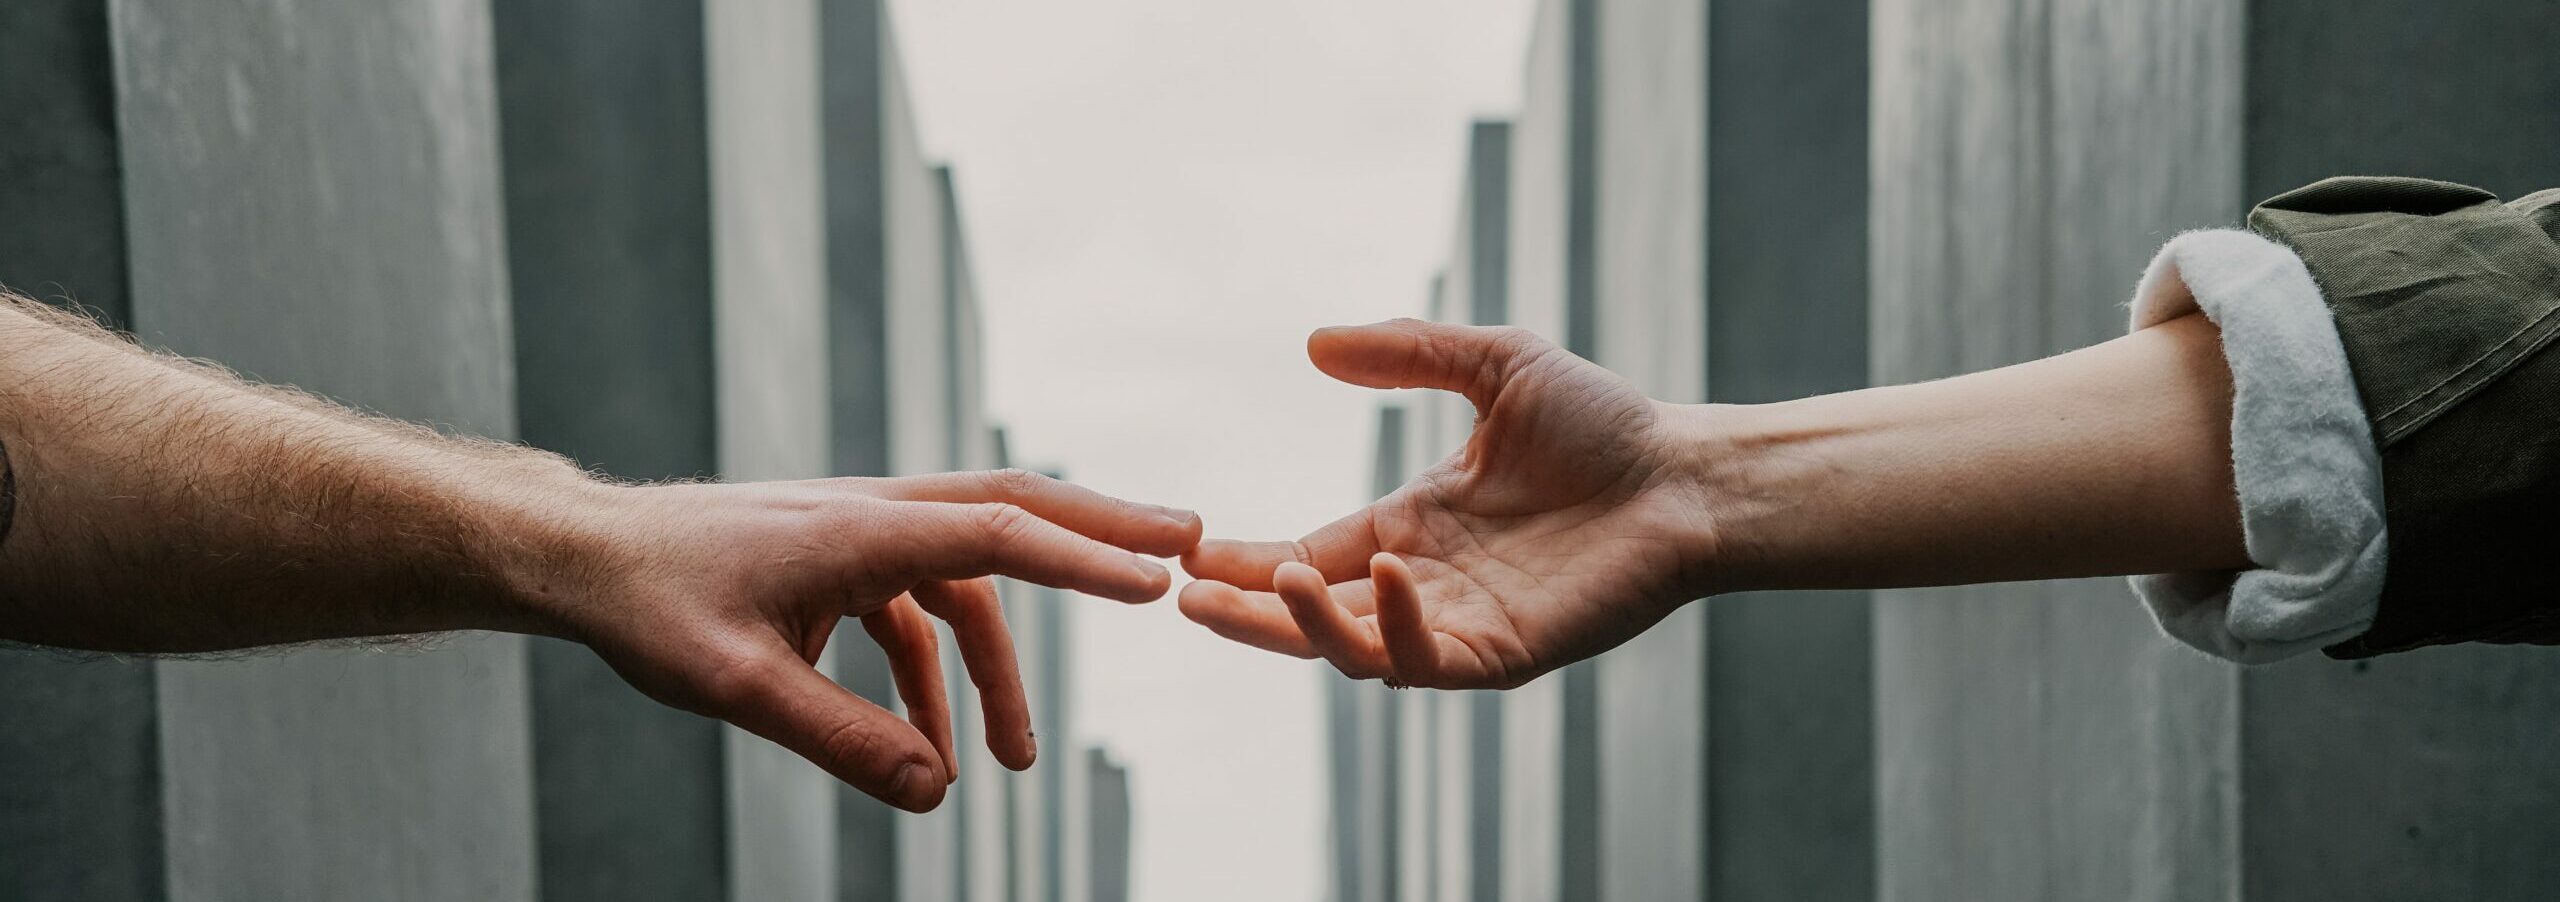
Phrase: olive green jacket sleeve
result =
(2447, 302)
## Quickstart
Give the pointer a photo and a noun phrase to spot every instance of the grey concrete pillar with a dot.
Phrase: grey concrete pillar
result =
(1109, 827)
(1649, 222)
(1789, 698)
(80, 811)
(604, 121)
(2042, 740)
(313, 198)
(888, 318)
(1343, 741)
(984, 869)
(769, 290)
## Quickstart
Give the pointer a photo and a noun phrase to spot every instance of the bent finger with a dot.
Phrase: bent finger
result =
(906, 637)
(1352, 645)
(1258, 619)
(1412, 655)
(986, 651)
(793, 705)
(973, 540)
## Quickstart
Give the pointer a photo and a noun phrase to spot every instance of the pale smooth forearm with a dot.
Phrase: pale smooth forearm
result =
(2110, 460)
(164, 506)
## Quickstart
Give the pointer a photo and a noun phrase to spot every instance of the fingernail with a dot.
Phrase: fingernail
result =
(1150, 570)
(912, 787)
(1034, 737)
(1174, 515)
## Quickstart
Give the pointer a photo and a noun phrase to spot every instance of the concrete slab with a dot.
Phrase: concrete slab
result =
(604, 120)
(2042, 740)
(315, 201)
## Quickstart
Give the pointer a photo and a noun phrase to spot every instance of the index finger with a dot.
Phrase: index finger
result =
(1143, 528)
(967, 541)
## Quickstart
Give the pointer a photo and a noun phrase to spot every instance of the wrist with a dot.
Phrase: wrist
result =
(544, 537)
(1738, 468)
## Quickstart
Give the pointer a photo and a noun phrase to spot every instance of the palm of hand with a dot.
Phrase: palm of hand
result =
(1550, 538)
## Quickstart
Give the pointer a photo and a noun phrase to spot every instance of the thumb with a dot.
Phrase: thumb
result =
(1474, 361)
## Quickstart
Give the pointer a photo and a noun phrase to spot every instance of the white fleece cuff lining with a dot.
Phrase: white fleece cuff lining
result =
(2309, 477)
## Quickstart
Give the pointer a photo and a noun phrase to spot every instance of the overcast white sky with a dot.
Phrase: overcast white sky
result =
(1164, 197)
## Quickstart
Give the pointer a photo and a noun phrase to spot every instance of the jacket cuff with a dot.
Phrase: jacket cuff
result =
(2303, 457)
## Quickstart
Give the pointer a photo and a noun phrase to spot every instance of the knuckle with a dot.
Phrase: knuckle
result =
(1516, 340)
(1005, 524)
(1015, 482)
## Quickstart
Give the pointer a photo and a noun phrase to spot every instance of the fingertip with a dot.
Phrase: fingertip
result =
(1293, 571)
(1326, 346)
(1164, 532)
(1189, 527)
(1153, 581)
(914, 788)
(1199, 600)
(1385, 562)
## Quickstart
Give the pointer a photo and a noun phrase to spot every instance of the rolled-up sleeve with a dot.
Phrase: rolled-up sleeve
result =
(2302, 459)
(2445, 303)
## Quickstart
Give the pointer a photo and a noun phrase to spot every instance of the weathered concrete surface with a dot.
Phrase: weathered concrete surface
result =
(1108, 827)
(1343, 742)
(80, 812)
(769, 235)
(61, 178)
(603, 121)
(313, 198)
(1649, 219)
(2041, 741)
(888, 318)
(1790, 778)
(985, 870)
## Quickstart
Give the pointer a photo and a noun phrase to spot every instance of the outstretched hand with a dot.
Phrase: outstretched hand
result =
(718, 599)
(1566, 525)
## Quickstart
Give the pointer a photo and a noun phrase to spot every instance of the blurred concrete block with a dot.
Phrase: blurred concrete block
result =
(313, 198)
(2042, 740)
(606, 148)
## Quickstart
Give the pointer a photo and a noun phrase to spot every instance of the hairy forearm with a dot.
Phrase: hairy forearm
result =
(2111, 460)
(163, 505)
